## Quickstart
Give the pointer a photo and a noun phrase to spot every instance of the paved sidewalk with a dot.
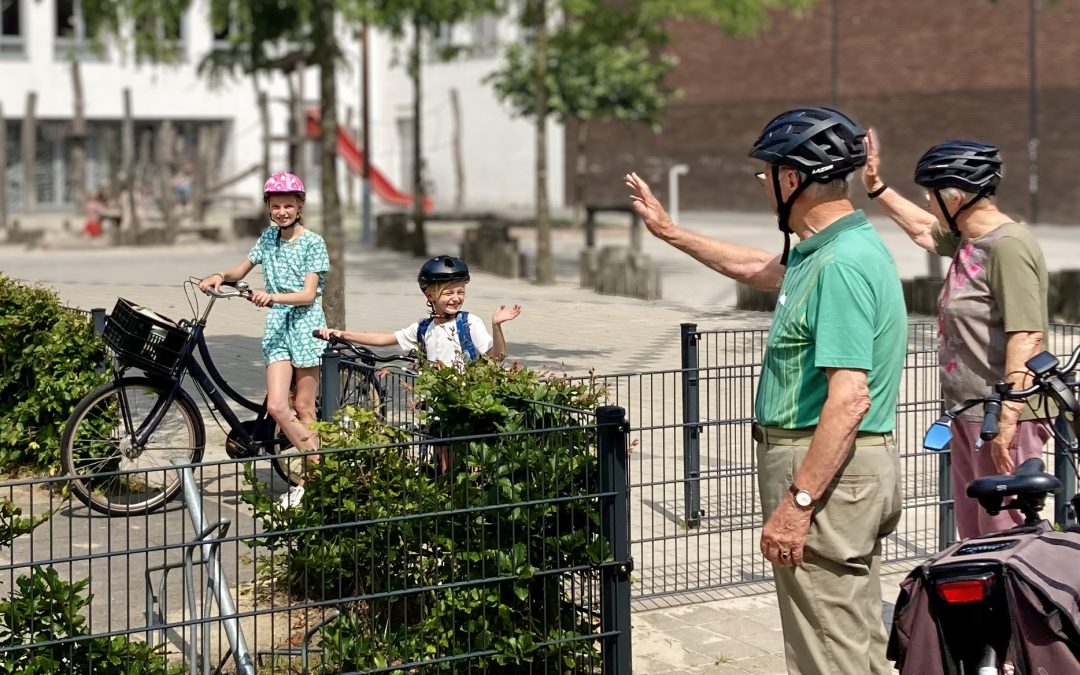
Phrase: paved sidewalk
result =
(562, 328)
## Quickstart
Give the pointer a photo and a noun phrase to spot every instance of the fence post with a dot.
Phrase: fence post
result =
(946, 526)
(691, 423)
(1064, 445)
(97, 316)
(329, 384)
(615, 527)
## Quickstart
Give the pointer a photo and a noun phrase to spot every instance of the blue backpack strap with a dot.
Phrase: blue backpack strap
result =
(465, 337)
(421, 331)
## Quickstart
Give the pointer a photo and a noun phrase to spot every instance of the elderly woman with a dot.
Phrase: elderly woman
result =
(992, 314)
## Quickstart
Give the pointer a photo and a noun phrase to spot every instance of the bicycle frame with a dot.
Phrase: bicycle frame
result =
(209, 380)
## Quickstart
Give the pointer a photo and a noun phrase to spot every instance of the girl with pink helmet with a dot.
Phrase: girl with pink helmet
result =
(295, 264)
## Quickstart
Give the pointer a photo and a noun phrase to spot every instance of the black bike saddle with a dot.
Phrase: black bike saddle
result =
(1030, 479)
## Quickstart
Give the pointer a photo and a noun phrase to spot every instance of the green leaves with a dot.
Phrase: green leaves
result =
(457, 564)
(48, 361)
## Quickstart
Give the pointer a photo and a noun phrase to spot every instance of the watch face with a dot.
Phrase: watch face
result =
(803, 498)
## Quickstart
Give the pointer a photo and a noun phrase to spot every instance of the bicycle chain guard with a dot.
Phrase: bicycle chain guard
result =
(236, 448)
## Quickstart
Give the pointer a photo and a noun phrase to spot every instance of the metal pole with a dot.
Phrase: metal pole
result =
(1065, 446)
(1033, 118)
(673, 189)
(365, 107)
(214, 573)
(946, 508)
(329, 384)
(97, 316)
(691, 423)
(835, 55)
(615, 528)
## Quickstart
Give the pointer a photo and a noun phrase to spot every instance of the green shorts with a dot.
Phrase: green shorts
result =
(288, 335)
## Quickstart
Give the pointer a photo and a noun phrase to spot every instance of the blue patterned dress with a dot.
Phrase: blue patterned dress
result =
(285, 265)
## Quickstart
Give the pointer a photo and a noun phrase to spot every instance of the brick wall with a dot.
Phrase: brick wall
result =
(918, 71)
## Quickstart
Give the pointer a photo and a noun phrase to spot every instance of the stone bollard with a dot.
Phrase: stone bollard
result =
(628, 273)
(924, 295)
(490, 247)
(249, 227)
(393, 232)
(588, 268)
(755, 299)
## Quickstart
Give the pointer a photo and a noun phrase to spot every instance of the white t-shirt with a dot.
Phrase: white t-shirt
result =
(441, 341)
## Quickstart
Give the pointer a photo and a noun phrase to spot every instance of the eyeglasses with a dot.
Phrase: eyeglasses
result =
(760, 175)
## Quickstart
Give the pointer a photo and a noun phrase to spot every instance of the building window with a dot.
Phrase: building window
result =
(70, 34)
(485, 35)
(167, 30)
(11, 27)
(223, 32)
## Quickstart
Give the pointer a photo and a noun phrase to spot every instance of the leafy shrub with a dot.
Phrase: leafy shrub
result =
(44, 608)
(48, 362)
(457, 564)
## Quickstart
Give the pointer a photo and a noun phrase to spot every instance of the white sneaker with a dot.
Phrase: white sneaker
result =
(292, 497)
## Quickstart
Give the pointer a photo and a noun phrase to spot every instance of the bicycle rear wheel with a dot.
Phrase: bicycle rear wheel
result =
(139, 479)
(360, 388)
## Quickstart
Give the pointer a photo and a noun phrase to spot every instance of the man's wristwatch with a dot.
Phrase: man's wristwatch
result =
(803, 499)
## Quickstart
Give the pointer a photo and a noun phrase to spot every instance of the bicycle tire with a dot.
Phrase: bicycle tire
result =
(289, 469)
(84, 437)
(361, 388)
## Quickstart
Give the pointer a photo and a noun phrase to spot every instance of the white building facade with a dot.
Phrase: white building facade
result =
(39, 37)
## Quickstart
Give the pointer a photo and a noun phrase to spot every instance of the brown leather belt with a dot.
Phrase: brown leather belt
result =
(778, 436)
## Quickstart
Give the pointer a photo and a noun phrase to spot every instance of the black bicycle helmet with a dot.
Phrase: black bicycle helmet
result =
(966, 165)
(823, 143)
(442, 269)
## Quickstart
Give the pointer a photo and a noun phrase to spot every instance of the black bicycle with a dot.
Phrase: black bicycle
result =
(120, 441)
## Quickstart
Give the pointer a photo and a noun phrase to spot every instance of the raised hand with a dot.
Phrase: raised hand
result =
(504, 314)
(871, 175)
(648, 207)
(212, 281)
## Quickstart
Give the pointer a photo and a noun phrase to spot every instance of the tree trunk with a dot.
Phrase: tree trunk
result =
(264, 121)
(127, 150)
(580, 165)
(545, 264)
(78, 140)
(29, 154)
(299, 167)
(163, 167)
(419, 240)
(325, 55)
(3, 170)
(459, 156)
(350, 180)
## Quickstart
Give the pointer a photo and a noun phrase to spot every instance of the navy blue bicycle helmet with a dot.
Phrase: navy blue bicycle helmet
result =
(965, 165)
(822, 143)
(442, 269)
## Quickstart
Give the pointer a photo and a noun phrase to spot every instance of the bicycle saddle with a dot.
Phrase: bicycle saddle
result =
(1029, 480)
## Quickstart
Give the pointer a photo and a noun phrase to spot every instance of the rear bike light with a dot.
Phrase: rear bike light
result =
(963, 591)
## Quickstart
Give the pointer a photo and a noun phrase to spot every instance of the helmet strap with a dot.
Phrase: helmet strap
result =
(783, 210)
(950, 218)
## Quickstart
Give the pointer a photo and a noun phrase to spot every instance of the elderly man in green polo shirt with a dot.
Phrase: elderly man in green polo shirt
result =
(826, 403)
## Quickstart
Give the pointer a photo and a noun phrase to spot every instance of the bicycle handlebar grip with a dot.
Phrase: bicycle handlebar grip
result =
(989, 429)
(317, 334)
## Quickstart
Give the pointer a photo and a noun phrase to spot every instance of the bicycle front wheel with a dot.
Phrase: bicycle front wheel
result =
(108, 472)
(360, 388)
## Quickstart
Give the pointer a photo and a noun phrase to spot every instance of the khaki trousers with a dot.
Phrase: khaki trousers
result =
(830, 606)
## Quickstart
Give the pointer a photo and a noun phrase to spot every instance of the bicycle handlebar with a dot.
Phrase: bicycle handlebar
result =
(362, 352)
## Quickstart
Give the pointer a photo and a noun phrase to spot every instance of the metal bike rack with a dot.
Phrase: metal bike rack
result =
(207, 543)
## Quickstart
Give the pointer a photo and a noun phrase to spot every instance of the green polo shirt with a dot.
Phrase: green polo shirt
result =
(840, 306)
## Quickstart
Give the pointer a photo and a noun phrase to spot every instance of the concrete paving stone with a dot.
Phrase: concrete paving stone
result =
(728, 649)
(650, 665)
(763, 665)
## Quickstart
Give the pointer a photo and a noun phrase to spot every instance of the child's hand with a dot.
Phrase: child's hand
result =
(504, 314)
(212, 281)
(328, 333)
(262, 299)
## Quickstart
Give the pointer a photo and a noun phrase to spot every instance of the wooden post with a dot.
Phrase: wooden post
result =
(163, 165)
(3, 170)
(459, 161)
(264, 120)
(29, 154)
(350, 183)
(127, 166)
(78, 140)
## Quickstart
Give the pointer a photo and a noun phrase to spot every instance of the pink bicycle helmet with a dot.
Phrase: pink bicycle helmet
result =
(283, 183)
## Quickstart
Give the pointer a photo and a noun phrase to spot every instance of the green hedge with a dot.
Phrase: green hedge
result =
(48, 361)
(331, 557)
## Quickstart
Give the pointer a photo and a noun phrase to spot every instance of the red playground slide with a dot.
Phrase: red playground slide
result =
(354, 157)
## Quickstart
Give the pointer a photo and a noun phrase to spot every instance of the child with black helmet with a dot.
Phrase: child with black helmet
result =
(449, 335)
